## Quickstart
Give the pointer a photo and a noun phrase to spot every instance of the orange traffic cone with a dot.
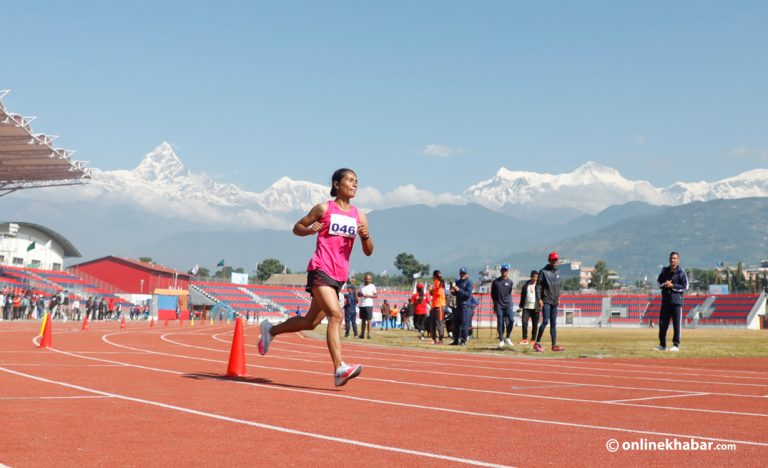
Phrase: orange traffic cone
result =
(236, 367)
(46, 342)
(46, 317)
(152, 323)
(85, 323)
(122, 324)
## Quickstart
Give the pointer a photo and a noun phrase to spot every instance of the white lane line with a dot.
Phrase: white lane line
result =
(83, 397)
(657, 397)
(24, 364)
(381, 350)
(531, 362)
(105, 338)
(245, 422)
(452, 374)
(432, 408)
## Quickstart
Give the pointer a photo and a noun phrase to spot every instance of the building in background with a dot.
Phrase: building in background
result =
(131, 276)
(33, 246)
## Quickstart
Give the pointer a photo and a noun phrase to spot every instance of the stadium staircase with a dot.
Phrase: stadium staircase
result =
(268, 304)
(238, 298)
(756, 309)
(704, 309)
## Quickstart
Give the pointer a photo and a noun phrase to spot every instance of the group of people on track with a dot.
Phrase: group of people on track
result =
(337, 224)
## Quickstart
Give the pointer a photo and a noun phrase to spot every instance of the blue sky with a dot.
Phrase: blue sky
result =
(252, 91)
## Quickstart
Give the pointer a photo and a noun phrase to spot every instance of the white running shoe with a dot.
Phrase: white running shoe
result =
(501, 344)
(266, 338)
(345, 373)
(508, 342)
(674, 349)
(660, 348)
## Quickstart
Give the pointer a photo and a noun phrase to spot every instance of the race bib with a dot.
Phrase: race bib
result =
(341, 225)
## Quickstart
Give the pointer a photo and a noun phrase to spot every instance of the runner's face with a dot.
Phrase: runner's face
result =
(674, 260)
(368, 279)
(347, 187)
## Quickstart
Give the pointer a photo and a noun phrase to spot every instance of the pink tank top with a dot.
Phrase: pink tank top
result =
(335, 241)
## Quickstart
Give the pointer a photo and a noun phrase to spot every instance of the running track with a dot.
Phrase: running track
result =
(155, 397)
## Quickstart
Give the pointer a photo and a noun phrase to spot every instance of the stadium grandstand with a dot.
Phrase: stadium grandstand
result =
(49, 282)
(29, 160)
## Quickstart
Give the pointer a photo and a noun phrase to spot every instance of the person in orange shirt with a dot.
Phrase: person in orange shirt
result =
(437, 291)
(393, 311)
(420, 303)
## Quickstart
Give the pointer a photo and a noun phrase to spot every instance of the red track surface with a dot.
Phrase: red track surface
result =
(155, 397)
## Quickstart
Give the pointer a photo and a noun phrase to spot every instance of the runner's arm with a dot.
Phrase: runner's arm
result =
(365, 235)
(310, 224)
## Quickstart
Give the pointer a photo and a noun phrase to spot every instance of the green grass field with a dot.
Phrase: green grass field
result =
(596, 342)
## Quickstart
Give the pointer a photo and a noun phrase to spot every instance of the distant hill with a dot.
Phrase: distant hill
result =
(633, 238)
(440, 236)
(704, 233)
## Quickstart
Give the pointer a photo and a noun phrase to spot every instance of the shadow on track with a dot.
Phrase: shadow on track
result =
(251, 380)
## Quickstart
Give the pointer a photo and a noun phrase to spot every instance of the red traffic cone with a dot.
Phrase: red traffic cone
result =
(46, 342)
(166, 323)
(85, 323)
(152, 323)
(236, 367)
(122, 324)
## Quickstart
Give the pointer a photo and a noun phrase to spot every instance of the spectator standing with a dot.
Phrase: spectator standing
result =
(548, 292)
(350, 311)
(393, 311)
(76, 309)
(404, 323)
(40, 306)
(501, 295)
(462, 315)
(436, 313)
(673, 282)
(366, 294)
(529, 303)
(420, 303)
(385, 315)
(53, 306)
(26, 308)
(64, 301)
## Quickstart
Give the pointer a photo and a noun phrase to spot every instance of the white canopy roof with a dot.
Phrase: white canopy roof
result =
(29, 160)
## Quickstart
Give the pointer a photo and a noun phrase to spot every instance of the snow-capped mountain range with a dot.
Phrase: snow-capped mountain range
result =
(163, 185)
(592, 188)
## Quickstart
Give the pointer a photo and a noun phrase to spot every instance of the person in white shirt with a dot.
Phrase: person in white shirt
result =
(530, 305)
(76, 309)
(367, 294)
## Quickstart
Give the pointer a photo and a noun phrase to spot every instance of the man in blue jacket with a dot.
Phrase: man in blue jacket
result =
(350, 311)
(673, 283)
(548, 292)
(462, 314)
(501, 295)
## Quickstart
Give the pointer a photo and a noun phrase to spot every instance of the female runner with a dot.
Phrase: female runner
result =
(336, 223)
